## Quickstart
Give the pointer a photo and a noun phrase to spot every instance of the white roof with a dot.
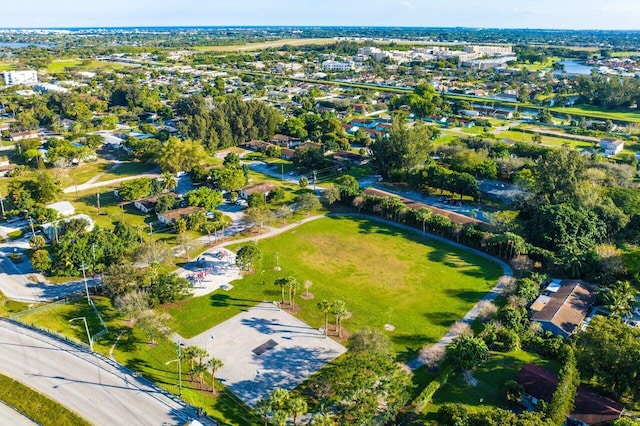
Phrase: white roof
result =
(65, 208)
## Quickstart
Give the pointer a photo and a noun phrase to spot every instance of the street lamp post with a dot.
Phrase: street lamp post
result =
(83, 268)
(4, 216)
(179, 361)
(86, 327)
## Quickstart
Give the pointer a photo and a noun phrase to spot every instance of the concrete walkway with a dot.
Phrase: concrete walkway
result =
(92, 185)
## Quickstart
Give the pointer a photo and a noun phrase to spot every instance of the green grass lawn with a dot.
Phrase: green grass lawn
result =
(35, 405)
(4, 66)
(130, 168)
(382, 273)
(491, 377)
(546, 140)
(61, 65)
(591, 111)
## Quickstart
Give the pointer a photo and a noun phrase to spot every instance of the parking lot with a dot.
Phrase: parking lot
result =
(265, 348)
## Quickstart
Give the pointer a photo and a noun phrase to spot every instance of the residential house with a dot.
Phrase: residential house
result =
(257, 145)
(590, 408)
(285, 141)
(169, 217)
(64, 208)
(287, 154)
(19, 136)
(51, 230)
(263, 188)
(146, 205)
(563, 306)
(611, 146)
(348, 157)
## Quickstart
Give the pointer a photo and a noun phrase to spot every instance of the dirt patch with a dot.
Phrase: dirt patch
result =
(308, 296)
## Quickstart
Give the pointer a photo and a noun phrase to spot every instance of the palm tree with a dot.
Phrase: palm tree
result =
(620, 298)
(293, 286)
(189, 354)
(322, 419)
(169, 181)
(263, 408)
(199, 370)
(298, 407)
(423, 214)
(282, 283)
(214, 364)
(325, 307)
(338, 308)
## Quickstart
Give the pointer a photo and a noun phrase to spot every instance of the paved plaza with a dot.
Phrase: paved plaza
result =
(265, 348)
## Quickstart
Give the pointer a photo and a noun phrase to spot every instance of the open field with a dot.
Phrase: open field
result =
(6, 67)
(595, 112)
(546, 140)
(79, 65)
(491, 377)
(384, 275)
(265, 45)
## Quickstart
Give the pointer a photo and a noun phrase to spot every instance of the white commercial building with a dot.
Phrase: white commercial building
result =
(14, 78)
(490, 50)
(337, 66)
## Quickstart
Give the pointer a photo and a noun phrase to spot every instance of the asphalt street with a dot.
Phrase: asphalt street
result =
(104, 393)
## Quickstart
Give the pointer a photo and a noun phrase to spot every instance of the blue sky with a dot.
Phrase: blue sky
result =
(573, 14)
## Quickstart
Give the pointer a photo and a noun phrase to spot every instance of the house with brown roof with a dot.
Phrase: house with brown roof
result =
(257, 145)
(590, 408)
(263, 188)
(285, 141)
(348, 157)
(287, 154)
(19, 136)
(563, 306)
(169, 217)
(148, 204)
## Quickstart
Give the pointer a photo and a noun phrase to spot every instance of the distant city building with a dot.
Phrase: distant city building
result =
(337, 66)
(490, 50)
(15, 78)
(50, 88)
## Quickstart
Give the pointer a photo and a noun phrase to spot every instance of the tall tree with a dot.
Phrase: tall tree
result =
(402, 148)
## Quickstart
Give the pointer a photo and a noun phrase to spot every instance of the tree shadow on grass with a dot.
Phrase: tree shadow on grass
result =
(224, 300)
(442, 319)
(412, 344)
(160, 376)
(468, 296)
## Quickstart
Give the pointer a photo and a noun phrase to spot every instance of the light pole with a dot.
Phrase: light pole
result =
(179, 361)
(314, 181)
(83, 268)
(4, 216)
(86, 327)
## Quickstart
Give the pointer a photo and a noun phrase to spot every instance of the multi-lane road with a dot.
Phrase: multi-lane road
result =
(101, 391)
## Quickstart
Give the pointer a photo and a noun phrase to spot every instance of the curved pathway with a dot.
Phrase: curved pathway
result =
(91, 185)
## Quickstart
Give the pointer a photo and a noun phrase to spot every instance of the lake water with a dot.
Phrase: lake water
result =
(22, 45)
(575, 67)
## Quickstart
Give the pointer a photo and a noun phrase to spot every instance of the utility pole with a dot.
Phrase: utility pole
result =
(282, 171)
(83, 268)
(4, 216)
(33, 231)
(98, 198)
